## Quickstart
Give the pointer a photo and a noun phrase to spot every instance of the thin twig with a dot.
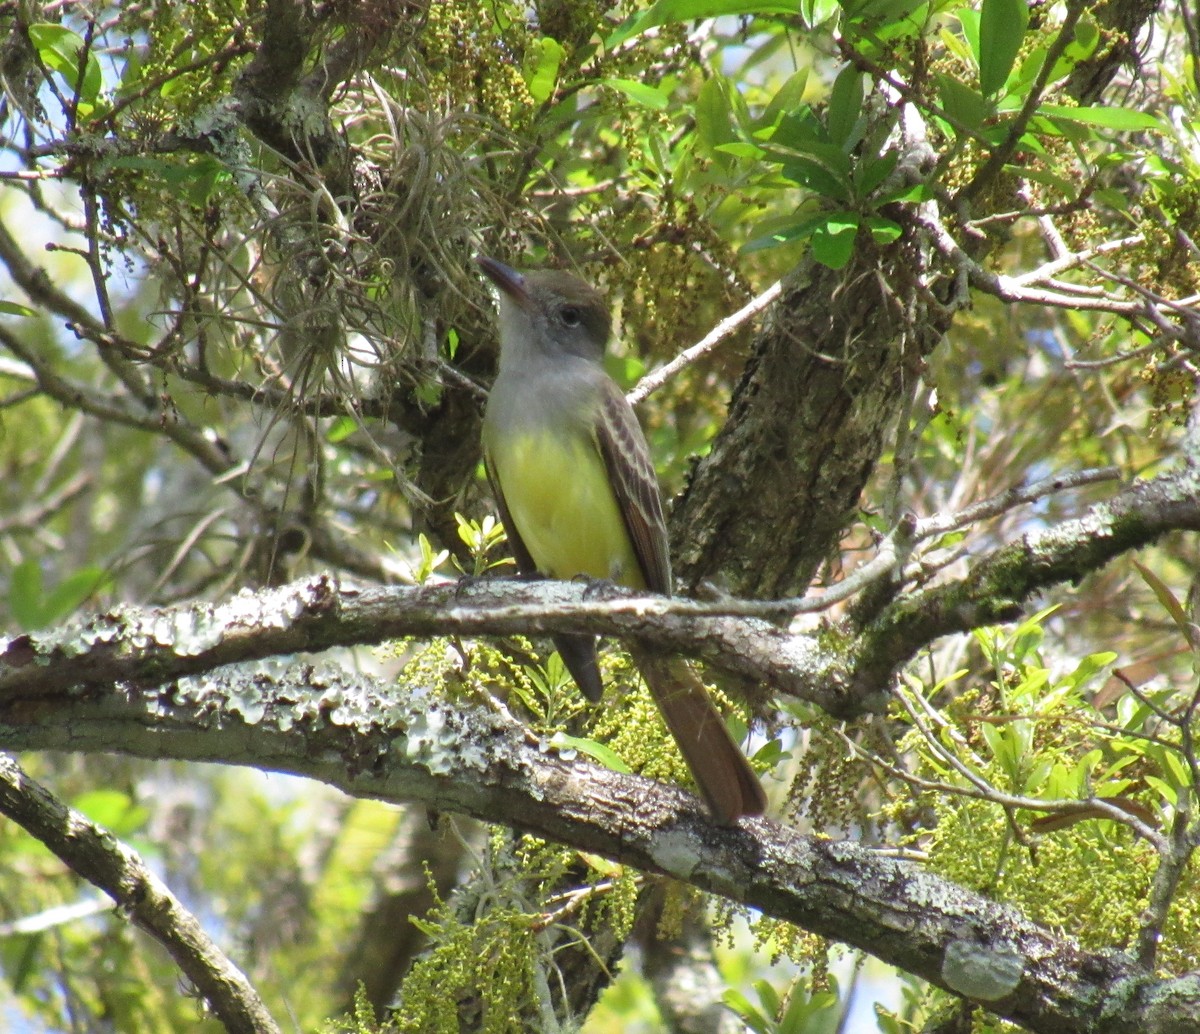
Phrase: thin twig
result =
(653, 381)
(940, 524)
(102, 860)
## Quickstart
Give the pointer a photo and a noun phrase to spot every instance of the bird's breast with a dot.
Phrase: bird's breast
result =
(560, 499)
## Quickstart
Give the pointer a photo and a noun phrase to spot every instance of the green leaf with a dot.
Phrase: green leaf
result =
(799, 130)
(1002, 25)
(428, 393)
(196, 177)
(968, 18)
(741, 149)
(640, 93)
(833, 241)
(844, 118)
(967, 108)
(802, 1010)
(783, 232)
(817, 12)
(34, 607)
(542, 62)
(608, 757)
(1090, 667)
(25, 594)
(112, 809)
(59, 49)
(1083, 44)
(1169, 793)
(714, 116)
(789, 97)
(341, 429)
(1122, 119)
(1168, 599)
(871, 172)
(16, 309)
(913, 193)
(666, 12)
(750, 1015)
(72, 591)
(768, 996)
(883, 231)
(819, 178)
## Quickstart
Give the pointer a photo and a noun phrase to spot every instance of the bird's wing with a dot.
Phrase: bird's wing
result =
(520, 553)
(631, 473)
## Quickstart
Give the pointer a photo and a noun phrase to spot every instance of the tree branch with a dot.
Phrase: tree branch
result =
(997, 585)
(144, 646)
(845, 676)
(102, 860)
(375, 742)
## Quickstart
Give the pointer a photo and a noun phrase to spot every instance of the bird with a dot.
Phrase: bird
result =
(578, 496)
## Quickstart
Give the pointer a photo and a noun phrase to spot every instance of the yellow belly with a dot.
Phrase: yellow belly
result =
(562, 504)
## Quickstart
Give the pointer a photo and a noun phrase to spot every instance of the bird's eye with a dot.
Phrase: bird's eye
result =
(569, 314)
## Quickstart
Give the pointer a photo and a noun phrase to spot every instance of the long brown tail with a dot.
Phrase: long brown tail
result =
(724, 776)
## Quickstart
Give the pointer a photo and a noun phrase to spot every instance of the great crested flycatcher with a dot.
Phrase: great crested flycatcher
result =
(578, 496)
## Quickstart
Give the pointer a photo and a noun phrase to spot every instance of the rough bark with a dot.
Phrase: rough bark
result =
(831, 371)
(373, 742)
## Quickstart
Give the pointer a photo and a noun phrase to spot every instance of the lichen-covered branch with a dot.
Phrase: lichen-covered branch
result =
(998, 585)
(145, 646)
(843, 670)
(374, 742)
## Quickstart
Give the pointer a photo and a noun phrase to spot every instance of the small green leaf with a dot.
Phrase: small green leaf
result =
(914, 193)
(1122, 119)
(741, 149)
(113, 810)
(542, 62)
(1167, 598)
(428, 393)
(1169, 793)
(59, 49)
(750, 1014)
(768, 996)
(818, 177)
(968, 18)
(799, 130)
(789, 97)
(1002, 25)
(640, 93)
(871, 172)
(783, 232)
(172, 86)
(341, 429)
(833, 241)
(714, 117)
(844, 118)
(608, 757)
(666, 12)
(16, 309)
(72, 591)
(883, 231)
(817, 12)
(25, 594)
(967, 108)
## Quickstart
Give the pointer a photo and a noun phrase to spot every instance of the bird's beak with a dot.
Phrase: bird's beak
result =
(507, 279)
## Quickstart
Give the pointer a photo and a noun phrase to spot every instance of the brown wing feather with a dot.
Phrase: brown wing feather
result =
(631, 473)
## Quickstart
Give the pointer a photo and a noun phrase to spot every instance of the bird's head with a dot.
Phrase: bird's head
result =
(549, 310)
